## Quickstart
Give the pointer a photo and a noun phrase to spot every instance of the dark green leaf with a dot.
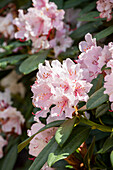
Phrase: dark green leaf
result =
(88, 156)
(97, 84)
(16, 44)
(73, 3)
(10, 159)
(26, 142)
(101, 110)
(97, 99)
(107, 145)
(88, 8)
(91, 16)
(63, 132)
(12, 60)
(77, 137)
(84, 29)
(104, 33)
(31, 63)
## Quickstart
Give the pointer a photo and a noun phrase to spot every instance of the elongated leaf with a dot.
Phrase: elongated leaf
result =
(16, 44)
(31, 63)
(84, 29)
(63, 132)
(43, 155)
(88, 156)
(97, 84)
(111, 158)
(91, 16)
(101, 110)
(73, 3)
(77, 137)
(97, 99)
(10, 159)
(107, 145)
(26, 142)
(12, 60)
(104, 33)
(88, 8)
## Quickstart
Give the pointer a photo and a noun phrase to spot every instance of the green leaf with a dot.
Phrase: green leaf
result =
(63, 132)
(111, 158)
(59, 3)
(77, 137)
(88, 8)
(97, 84)
(31, 63)
(73, 3)
(43, 155)
(26, 142)
(16, 44)
(12, 60)
(107, 145)
(10, 159)
(84, 29)
(69, 52)
(104, 33)
(101, 110)
(91, 16)
(89, 154)
(97, 99)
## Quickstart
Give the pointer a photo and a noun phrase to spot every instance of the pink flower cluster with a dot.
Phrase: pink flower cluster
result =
(42, 20)
(40, 140)
(61, 85)
(6, 26)
(93, 57)
(10, 119)
(105, 8)
(108, 85)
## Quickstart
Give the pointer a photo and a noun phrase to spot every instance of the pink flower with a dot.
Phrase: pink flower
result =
(40, 3)
(108, 85)
(105, 8)
(89, 62)
(5, 99)
(110, 64)
(85, 45)
(36, 24)
(3, 142)
(41, 139)
(12, 120)
(61, 85)
(60, 43)
(6, 26)
(20, 22)
(106, 55)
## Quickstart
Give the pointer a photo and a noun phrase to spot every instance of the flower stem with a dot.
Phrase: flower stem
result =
(96, 126)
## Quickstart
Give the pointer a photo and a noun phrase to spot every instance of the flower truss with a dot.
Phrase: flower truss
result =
(61, 85)
(105, 8)
(10, 119)
(43, 24)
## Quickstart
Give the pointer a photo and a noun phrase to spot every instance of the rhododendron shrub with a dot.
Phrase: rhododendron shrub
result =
(56, 84)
